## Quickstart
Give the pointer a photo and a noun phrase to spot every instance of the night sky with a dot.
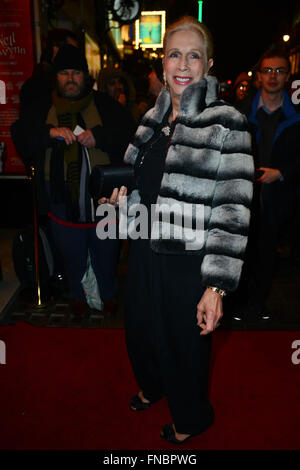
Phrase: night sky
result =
(242, 30)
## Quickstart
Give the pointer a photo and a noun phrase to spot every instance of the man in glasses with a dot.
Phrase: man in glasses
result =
(275, 128)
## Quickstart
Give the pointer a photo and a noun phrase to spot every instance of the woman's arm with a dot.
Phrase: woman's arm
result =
(209, 311)
(228, 224)
(230, 215)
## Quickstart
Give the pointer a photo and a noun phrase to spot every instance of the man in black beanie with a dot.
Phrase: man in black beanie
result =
(41, 82)
(65, 139)
(69, 62)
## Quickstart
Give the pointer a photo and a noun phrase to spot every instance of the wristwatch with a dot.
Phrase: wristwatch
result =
(219, 291)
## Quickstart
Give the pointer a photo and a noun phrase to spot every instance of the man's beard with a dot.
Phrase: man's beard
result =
(76, 92)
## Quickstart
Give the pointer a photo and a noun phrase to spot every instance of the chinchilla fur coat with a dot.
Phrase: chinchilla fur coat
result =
(209, 172)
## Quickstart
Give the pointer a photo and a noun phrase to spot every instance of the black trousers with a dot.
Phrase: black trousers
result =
(168, 356)
(271, 212)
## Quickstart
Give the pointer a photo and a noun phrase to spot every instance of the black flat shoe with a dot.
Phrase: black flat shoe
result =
(136, 404)
(168, 434)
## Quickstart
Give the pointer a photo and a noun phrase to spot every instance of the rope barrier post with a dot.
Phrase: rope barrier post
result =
(38, 302)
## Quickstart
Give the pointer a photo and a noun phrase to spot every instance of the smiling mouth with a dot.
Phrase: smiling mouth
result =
(182, 80)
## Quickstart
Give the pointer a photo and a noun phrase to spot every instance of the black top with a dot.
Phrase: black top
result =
(150, 164)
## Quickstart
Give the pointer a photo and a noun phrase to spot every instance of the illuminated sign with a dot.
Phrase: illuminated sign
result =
(150, 29)
(92, 54)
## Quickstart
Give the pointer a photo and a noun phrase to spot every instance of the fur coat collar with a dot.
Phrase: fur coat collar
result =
(194, 100)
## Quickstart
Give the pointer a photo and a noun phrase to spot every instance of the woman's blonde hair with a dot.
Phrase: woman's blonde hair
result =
(187, 23)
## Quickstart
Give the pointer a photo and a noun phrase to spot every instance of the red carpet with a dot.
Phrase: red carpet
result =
(69, 389)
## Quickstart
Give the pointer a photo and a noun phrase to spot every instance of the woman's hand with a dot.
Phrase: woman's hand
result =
(115, 197)
(209, 311)
(63, 133)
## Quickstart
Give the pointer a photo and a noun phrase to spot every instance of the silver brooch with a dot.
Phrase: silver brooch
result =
(166, 130)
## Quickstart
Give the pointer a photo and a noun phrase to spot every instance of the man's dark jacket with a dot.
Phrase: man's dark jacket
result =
(31, 136)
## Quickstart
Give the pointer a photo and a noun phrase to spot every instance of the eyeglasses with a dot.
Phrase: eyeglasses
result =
(270, 70)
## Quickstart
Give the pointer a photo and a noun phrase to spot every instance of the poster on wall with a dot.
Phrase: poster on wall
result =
(16, 65)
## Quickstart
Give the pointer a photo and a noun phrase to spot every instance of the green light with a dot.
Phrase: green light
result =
(200, 3)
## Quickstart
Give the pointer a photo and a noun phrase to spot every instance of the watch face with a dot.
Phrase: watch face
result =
(126, 11)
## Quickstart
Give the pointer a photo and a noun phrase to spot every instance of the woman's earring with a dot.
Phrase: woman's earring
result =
(165, 82)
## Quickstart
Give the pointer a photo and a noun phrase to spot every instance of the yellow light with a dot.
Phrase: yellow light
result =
(161, 13)
(200, 9)
(249, 73)
(286, 37)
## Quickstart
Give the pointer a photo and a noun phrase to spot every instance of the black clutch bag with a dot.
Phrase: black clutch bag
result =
(105, 178)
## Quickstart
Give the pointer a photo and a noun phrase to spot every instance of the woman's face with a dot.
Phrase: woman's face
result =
(242, 90)
(185, 61)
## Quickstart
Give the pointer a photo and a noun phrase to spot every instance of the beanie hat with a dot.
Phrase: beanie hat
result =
(70, 57)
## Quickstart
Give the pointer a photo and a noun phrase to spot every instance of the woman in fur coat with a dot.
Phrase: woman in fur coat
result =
(194, 169)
